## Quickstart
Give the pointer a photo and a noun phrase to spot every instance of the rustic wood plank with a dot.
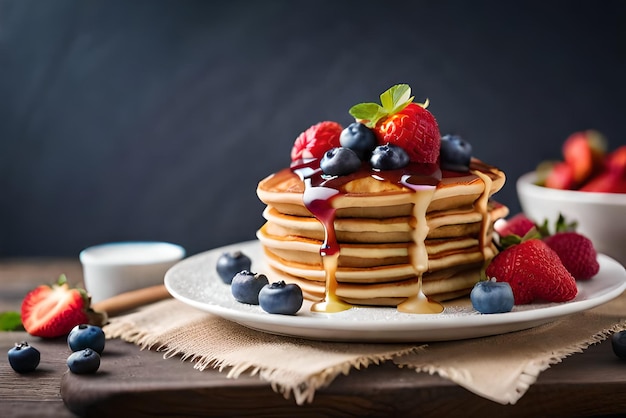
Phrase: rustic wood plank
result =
(142, 383)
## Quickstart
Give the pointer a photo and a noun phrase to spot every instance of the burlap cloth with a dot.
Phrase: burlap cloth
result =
(500, 368)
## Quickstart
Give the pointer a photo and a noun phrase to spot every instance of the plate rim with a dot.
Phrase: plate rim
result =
(302, 325)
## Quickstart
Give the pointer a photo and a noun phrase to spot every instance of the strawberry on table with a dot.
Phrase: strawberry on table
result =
(534, 271)
(51, 311)
(398, 121)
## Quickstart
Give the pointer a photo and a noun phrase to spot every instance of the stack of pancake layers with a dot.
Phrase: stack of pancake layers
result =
(375, 226)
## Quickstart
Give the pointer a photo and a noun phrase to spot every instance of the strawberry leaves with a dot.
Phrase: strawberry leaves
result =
(393, 101)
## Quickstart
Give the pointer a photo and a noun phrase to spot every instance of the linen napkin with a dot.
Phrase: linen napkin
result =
(499, 368)
(291, 365)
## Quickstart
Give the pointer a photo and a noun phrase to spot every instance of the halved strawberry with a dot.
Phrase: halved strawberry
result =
(399, 121)
(53, 310)
(316, 140)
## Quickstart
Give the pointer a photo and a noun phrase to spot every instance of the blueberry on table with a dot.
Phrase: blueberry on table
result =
(618, 342)
(86, 336)
(84, 361)
(281, 298)
(359, 138)
(246, 286)
(23, 357)
(340, 161)
(455, 153)
(389, 157)
(489, 297)
(230, 263)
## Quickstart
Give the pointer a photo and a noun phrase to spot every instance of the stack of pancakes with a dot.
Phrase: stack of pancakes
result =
(375, 223)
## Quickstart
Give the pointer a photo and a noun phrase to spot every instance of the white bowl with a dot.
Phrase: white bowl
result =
(114, 268)
(600, 216)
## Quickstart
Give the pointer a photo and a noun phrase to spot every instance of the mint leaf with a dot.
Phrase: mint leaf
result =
(366, 112)
(10, 321)
(396, 97)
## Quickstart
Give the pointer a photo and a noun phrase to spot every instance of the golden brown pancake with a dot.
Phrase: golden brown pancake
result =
(376, 225)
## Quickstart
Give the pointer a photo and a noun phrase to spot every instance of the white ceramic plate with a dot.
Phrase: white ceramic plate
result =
(195, 282)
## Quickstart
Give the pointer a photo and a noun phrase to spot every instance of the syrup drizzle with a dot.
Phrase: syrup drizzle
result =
(481, 205)
(318, 200)
(320, 192)
(419, 302)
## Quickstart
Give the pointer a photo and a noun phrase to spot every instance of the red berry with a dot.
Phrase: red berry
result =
(517, 225)
(398, 121)
(316, 140)
(576, 252)
(52, 311)
(534, 271)
(415, 130)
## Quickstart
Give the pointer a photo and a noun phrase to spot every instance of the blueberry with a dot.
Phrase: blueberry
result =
(247, 285)
(360, 139)
(281, 298)
(618, 342)
(492, 297)
(389, 157)
(23, 357)
(230, 263)
(340, 161)
(84, 361)
(455, 154)
(86, 336)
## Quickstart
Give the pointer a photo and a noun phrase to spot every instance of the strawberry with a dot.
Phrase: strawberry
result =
(316, 140)
(616, 161)
(403, 123)
(584, 152)
(53, 310)
(576, 252)
(606, 182)
(518, 225)
(534, 271)
(561, 176)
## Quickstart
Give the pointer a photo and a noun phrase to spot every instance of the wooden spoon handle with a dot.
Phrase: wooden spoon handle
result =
(126, 301)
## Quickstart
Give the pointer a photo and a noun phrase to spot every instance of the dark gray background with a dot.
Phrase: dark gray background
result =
(141, 120)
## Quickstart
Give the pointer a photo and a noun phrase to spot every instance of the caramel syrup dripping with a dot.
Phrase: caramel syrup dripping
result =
(481, 205)
(419, 303)
(320, 191)
(318, 200)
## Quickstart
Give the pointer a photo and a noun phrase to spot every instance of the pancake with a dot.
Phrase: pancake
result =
(378, 222)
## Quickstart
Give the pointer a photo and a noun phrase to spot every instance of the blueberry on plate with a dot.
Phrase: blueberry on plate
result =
(340, 161)
(490, 297)
(360, 139)
(86, 336)
(23, 357)
(455, 153)
(246, 286)
(230, 263)
(618, 342)
(84, 361)
(281, 298)
(389, 157)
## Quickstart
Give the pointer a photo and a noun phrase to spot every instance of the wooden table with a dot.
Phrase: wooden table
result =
(132, 382)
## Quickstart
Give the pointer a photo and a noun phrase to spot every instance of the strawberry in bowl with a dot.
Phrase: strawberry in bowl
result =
(588, 186)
